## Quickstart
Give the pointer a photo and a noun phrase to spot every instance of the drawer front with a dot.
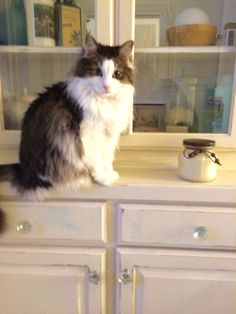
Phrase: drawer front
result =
(177, 225)
(66, 221)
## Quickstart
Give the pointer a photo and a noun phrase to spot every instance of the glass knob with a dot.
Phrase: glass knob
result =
(125, 276)
(94, 277)
(24, 226)
(200, 233)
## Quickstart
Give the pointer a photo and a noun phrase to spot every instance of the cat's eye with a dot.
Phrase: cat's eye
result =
(95, 71)
(118, 75)
(98, 72)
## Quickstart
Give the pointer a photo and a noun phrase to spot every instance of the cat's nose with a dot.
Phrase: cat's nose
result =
(106, 88)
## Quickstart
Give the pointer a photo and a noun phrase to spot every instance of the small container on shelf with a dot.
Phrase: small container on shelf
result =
(229, 35)
(198, 161)
(192, 28)
(192, 35)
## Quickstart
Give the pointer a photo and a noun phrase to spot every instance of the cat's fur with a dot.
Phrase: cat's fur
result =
(71, 131)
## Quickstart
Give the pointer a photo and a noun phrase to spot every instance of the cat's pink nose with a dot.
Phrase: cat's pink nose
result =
(106, 88)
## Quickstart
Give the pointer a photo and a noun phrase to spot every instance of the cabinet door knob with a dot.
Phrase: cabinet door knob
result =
(24, 226)
(125, 276)
(94, 277)
(200, 233)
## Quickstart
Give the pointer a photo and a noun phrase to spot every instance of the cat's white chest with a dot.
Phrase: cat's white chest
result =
(108, 113)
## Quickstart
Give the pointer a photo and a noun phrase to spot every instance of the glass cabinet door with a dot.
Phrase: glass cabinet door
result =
(183, 92)
(39, 42)
(185, 81)
(185, 65)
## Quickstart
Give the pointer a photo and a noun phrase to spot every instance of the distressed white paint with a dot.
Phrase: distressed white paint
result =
(76, 222)
(169, 225)
(177, 281)
(56, 278)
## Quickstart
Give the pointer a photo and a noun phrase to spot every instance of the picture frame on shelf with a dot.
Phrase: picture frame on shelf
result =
(149, 117)
(147, 32)
(40, 18)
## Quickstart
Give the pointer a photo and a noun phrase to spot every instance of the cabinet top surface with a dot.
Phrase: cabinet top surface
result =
(149, 176)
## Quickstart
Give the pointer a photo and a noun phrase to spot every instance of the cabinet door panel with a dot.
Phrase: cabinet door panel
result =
(168, 281)
(52, 280)
(45, 289)
(169, 291)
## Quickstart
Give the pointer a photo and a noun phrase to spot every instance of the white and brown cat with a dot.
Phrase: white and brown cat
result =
(71, 131)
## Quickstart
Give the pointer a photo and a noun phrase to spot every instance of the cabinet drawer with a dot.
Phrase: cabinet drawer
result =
(177, 225)
(68, 221)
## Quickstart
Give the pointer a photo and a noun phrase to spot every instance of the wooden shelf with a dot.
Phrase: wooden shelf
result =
(206, 49)
(64, 50)
(29, 49)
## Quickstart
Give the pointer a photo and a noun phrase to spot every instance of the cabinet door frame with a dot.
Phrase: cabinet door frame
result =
(163, 259)
(104, 21)
(91, 261)
(125, 31)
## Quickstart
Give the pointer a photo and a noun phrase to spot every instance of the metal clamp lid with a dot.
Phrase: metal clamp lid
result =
(198, 143)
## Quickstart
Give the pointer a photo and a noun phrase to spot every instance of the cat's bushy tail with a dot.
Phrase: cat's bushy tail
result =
(8, 173)
(3, 222)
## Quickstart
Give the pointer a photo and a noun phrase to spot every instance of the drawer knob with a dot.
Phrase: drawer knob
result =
(200, 233)
(24, 226)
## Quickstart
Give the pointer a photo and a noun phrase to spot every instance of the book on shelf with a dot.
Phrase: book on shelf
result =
(68, 25)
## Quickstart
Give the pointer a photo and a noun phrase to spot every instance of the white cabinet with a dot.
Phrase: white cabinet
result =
(177, 281)
(52, 258)
(60, 281)
(107, 257)
(157, 274)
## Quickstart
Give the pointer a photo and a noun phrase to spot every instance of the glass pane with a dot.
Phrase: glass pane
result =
(184, 89)
(31, 61)
(46, 23)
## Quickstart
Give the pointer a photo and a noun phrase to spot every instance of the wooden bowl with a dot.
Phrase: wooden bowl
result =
(192, 35)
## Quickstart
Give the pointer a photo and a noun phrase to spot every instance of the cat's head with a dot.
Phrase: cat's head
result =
(106, 68)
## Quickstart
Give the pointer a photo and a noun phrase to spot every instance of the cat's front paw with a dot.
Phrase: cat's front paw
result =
(107, 179)
(114, 176)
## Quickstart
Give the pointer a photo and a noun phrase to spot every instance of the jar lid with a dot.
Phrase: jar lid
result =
(198, 143)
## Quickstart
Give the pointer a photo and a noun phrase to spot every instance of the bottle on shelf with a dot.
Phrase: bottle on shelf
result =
(223, 92)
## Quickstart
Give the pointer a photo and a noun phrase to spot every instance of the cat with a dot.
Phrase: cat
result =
(71, 131)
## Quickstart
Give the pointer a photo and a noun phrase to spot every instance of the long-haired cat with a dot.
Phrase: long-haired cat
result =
(71, 131)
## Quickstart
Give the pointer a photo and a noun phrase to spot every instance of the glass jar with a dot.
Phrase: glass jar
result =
(198, 162)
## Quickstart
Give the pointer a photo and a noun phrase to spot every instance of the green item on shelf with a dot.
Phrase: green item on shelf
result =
(13, 30)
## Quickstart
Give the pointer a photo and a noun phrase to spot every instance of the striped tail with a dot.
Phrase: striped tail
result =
(3, 223)
(7, 173)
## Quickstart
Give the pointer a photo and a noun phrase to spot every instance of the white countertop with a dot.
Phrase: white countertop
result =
(150, 176)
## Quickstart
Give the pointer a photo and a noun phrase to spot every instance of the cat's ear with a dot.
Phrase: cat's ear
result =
(90, 45)
(125, 51)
